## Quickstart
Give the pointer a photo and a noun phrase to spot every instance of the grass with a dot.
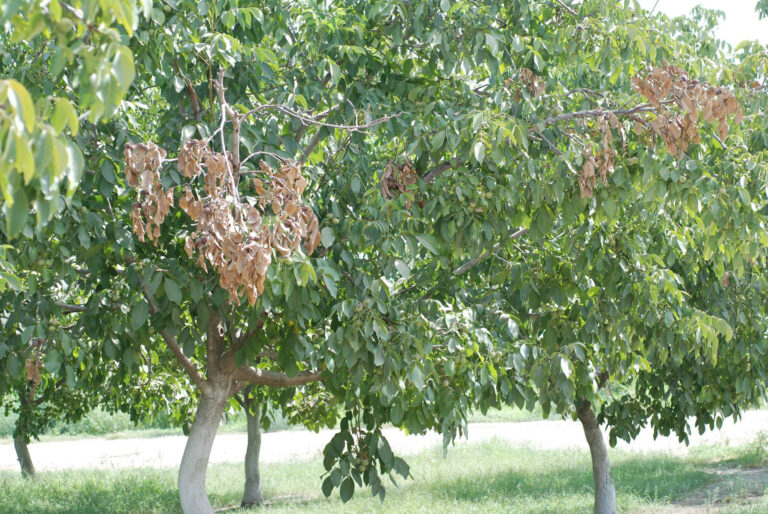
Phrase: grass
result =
(486, 477)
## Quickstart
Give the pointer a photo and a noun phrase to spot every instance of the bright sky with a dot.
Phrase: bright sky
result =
(741, 21)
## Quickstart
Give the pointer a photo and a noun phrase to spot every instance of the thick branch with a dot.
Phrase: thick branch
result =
(173, 345)
(440, 169)
(67, 308)
(214, 342)
(487, 253)
(187, 364)
(229, 355)
(305, 153)
(274, 378)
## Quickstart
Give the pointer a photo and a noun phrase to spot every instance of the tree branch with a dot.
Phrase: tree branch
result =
(310, 147)
(487, 253)
(438, 170)
(187, 364)
(596, 113)
(567, 8)
(274, 378)
(313, 121)
(173, 345)
(67, 308)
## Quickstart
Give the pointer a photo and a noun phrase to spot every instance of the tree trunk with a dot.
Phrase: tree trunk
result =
(22, 454)
(252, 495)
(194, 462)
(605, 493)
(20, 434)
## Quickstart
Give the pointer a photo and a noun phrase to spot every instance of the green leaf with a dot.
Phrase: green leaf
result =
(327, 236)
(64, 113)
(139, 314)
(52, 361)
(13, 366)
(330, 283)
(74, 168)
(416, 376)
(402, 268)
(396, 414)
(347, 489)
(16, 215)
(122, 66)
(327, 487)
(25, 160)
(478, 151)
(21, 101)
(172, 290)
(429, 242)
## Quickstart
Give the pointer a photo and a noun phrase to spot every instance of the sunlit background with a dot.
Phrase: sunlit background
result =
(741, 21)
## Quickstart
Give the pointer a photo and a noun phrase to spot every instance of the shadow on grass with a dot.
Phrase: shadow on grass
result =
(638, 478)
(488, 477)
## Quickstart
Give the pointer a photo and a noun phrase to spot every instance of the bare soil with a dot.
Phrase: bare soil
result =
(99, 453)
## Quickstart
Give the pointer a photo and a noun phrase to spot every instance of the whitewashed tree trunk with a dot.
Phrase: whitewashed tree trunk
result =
(605, 492)
(194, 462)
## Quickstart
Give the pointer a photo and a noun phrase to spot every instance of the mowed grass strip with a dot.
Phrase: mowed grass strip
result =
(486, 477)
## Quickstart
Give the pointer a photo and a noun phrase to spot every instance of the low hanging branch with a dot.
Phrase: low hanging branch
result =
(276, 379)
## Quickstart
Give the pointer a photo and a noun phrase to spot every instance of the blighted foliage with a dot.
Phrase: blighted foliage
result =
(33, 366)
(533, 82)
(667, 85)
(397, 178)
(236, 236)
(142, 171)
(601, 162)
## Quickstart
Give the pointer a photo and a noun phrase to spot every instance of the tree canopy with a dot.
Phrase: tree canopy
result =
(429, 207)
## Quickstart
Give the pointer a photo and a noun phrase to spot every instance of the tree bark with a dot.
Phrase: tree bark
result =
(22, 454)
(605, 492)
(20, 436)
(252, 495)
(194, 462)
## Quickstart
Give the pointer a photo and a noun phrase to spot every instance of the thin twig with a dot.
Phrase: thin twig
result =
(486, 253)
(567, 8)
(312, 121)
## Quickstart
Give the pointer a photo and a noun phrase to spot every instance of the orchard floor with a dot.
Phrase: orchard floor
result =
(525, 467)
(292, 445)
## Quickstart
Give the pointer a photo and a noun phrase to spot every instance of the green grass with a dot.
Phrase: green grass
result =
(487, 477)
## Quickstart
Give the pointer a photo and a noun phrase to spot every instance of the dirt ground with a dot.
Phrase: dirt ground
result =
(98, 453)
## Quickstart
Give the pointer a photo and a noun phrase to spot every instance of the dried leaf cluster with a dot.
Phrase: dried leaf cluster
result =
(398, 178)
(237, 237)
(142, 171)
(601, 162)
(666, 85)
(33, 366)
(533, 82)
